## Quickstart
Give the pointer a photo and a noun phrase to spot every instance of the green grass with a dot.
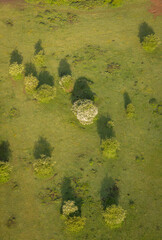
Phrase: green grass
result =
(98, 38)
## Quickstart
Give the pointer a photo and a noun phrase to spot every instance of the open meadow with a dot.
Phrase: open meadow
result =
(101, 48)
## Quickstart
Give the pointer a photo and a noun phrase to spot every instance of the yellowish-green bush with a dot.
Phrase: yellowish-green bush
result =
(45, 93)
(5, 172)
(130, 110)
(16, 70)
(67, 83)
(109, 147)
(150, 43)
(44, 167)
(31, 84)
(75, 224)
(39, 59)
(114, 216)
(85, 111)
(69, 207)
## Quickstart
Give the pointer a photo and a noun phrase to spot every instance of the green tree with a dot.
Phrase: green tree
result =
(114, 216)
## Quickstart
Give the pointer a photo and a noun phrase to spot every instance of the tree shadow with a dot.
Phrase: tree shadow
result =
(105, 128)
(5, 152)
(82, 90)
(45, 78)
(16, 57)
(127, 99)
(68, 193)
(144, 30)
(42, 147)
(64, 68)
(109, 192)
(38, 47)
(30, 69)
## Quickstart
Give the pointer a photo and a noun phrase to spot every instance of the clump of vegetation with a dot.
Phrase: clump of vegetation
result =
(159, 109)
(85, 111)
(5, 172)
(45, 93)
(49, 195)
(11, 221)
(69, 208)
(115, 3)
(16, 70)
(67, 83)
(153, 102)
(14, 112)
(140, 158)
(71, 18)
(75, 224)
(109, 147)
(130, 110)
(112, 67)
(114, 216)
(31, 84)
(150, 43)
(44, 167)
(110, 124)
(9, 22)
(39, 59)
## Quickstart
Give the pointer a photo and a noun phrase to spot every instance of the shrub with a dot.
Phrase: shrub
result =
(150, 43)
(67, 83)
(5, 171)
(49, 195)
(153, 102)
(45, 93)
(69, 207)
(43, 167)
(14, 112)
(114, 216)
(109, 147)
(16, 70)
(31, 84)
(75, 224)
(130, 110)
(39, 59)
(115, 3)
(85, 111)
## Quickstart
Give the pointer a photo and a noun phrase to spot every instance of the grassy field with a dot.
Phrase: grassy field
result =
(86, 42)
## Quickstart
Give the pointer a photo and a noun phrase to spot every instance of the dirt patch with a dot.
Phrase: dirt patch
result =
(14, 3)
(156, 8)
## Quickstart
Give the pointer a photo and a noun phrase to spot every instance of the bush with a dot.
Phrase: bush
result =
(130, 110)
(39, 59)
(43, 167)
(69, 207)
(14, 112)
(16, 70)
(150, 43)
(115, 3)
(45, 93)
(109, 147)
(67, 83)
(75, 224)
(114, 216)
(5, 171)
(31, 84)
(85, 111)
